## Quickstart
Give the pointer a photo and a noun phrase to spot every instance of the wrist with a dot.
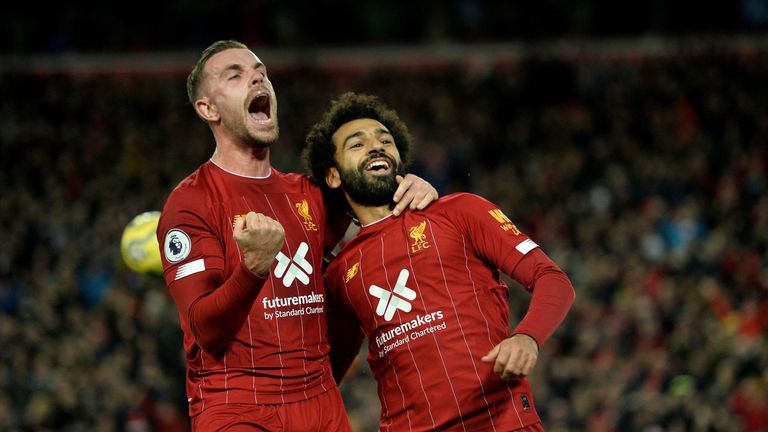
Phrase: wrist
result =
(255, 269)
(528, 338)
(259, 267)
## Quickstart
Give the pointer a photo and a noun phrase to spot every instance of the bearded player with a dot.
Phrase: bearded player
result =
(425, 287)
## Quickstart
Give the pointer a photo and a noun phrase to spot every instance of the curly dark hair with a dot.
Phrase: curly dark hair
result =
(319, 150)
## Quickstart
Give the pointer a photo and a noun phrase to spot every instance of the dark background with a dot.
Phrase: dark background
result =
(144, 26)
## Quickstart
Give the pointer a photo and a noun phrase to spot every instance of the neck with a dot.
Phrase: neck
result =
(366, 214)
(241, 158)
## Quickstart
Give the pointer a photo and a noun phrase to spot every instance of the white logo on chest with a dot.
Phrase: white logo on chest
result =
(390, 302)
(290, 269)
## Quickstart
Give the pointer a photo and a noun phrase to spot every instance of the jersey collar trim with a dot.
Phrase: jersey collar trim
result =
(240, 175)
(376, 221)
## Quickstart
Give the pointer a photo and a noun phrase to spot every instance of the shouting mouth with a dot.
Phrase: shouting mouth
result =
(259, 108)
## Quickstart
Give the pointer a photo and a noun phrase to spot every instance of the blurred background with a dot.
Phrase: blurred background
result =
(629, 139)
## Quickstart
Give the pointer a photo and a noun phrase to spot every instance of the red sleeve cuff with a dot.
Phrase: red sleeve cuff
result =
(243, 277)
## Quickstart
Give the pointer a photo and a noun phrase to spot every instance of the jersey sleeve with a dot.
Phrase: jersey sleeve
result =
(552, 295)
(345, 333)
(497, 240)
(212, 306)
(493, 235)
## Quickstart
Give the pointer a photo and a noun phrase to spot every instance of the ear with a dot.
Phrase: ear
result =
(206, 110)
(332, 178)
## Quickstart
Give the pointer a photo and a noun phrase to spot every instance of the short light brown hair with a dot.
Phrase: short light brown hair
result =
(196, 76)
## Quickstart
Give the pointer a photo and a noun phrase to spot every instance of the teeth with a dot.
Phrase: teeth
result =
(377, 165)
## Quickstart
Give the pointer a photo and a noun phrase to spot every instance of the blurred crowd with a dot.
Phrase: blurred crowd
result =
(645, 179)
(180, 24)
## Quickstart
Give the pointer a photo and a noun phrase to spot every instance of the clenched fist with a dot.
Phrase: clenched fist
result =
(260, 238)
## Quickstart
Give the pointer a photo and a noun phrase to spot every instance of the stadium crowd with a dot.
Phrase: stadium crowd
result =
(24, 28)
(645, 179)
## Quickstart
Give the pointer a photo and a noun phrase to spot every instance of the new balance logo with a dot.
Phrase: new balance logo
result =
(390, 302)
(290, 269)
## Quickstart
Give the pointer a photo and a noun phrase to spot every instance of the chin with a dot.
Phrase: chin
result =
(265, 138)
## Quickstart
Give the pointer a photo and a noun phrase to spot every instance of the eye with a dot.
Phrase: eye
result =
(234, 77)
(356, 145)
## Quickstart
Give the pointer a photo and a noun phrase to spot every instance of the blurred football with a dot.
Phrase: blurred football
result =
(139, 247)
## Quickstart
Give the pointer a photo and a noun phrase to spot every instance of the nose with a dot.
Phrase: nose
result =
(257, 78)
(375, 146)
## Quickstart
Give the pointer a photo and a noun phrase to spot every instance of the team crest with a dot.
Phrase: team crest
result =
(303, 208)
(352, 272)
(418, 236)
(504, 221)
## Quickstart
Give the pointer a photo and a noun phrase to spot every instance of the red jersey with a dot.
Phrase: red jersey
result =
(426, 290)
(248, 340)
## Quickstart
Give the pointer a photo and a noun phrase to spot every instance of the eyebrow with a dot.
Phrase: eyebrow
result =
(377, 131)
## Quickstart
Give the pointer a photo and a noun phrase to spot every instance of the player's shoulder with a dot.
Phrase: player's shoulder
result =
(461, 201)
(193, 190)
(301, 182)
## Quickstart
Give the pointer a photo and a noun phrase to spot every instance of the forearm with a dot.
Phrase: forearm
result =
(216, 317)
(552, 297)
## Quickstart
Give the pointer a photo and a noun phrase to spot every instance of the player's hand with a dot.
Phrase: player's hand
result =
(514, 356)
(260, 238)
(414, 192)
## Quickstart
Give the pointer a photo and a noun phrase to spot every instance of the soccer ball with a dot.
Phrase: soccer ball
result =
(139, 247)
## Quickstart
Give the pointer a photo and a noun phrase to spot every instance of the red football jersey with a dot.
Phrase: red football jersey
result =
(426, 290)
(275, 351)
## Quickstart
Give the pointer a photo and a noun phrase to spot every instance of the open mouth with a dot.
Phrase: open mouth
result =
(379, 166)
(259, 108)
